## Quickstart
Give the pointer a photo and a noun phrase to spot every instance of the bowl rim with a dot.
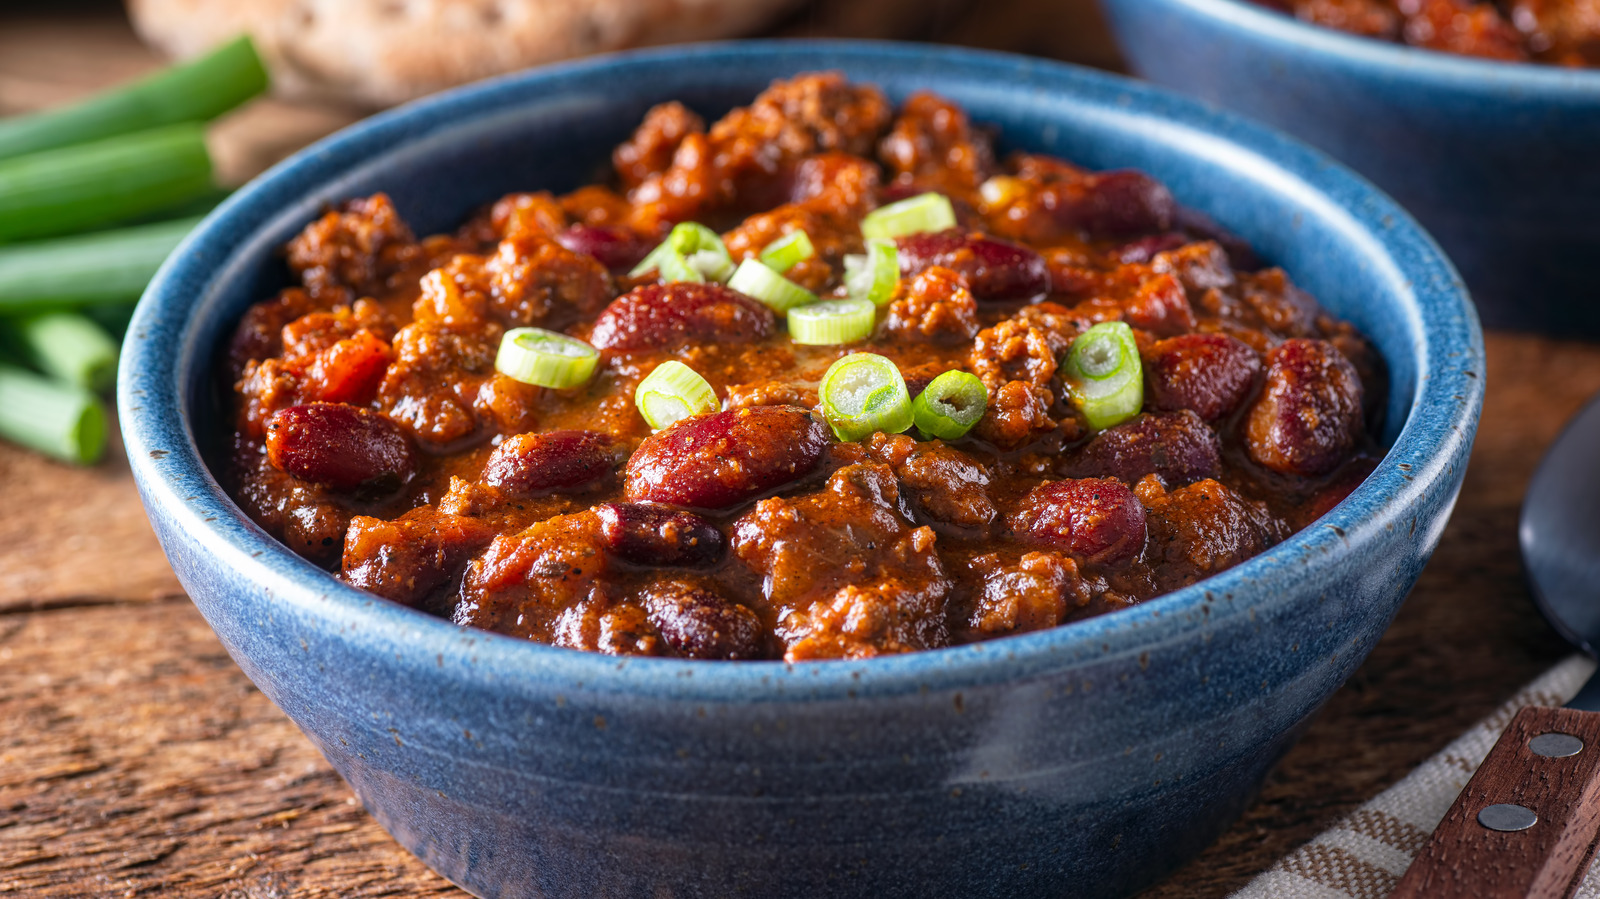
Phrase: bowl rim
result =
(176, 484)
(1468, 74)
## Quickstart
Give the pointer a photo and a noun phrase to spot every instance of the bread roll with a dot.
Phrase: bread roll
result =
(380, 52)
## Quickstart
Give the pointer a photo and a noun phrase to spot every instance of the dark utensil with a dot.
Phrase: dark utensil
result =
(1526, 824)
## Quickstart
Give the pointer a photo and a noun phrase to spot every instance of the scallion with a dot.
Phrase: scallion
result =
(875, 275)
(923, 212)
(950, 405)
(69, 347)
(87, 185)
(545, 358)
(1103, 375)
(864, 393)
(110, 266)
(56, 419)
(672, 392)
(692, 252)
(832, 322)
(787, 251)
(200, 89)
(755, 280)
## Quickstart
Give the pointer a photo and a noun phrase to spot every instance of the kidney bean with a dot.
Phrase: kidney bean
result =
(340, 447)
(993, 269)
(1209, 374)
(1099, 519)
(554, 461)
(1112, 204)
(725, 458)
(1178, 446)
(653, 535)
(699, 624)
(618, 249)
(1308, 415)
(656, 316)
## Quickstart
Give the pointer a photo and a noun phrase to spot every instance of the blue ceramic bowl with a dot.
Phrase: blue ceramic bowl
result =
(1500, 161)
(1087, 760)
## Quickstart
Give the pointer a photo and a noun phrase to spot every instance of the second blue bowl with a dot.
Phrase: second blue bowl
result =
(1500, 161)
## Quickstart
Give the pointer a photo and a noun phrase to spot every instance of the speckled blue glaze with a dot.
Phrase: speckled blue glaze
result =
(1499, 161)
(1086, 761)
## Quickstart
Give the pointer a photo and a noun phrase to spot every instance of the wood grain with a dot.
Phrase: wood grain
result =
(1466, 860)
(136, 759)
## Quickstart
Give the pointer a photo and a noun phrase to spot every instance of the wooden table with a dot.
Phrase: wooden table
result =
(136, 759)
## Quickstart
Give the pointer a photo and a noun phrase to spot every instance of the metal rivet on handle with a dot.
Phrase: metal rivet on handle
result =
(1507, 817)
(1556, 746)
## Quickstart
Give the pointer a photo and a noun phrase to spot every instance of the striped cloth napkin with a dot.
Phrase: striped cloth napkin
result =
(1366, 852)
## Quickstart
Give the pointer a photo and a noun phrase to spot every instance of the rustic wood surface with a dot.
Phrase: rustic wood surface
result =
(137, 760)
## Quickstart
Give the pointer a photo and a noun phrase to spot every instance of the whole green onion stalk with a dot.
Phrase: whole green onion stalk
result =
(102, 183)
(69, 347)
(104, 267)
(59, 420)
(198, 90)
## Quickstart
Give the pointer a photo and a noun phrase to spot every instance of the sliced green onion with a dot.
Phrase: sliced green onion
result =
(672, 392)
(545, 358)
(788, 250)
(100, 183)
(754, 279)
(69, 347)
(692, 252)
(53, 418)
(108, 267)
(200, 89)
(875, 275)
(950, 405)
(1104, 376)
(923, 212)
(864, 393)
(832, 322)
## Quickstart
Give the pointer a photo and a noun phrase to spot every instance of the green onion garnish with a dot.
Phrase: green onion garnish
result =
(99, 183)
(69, 347)
(1104, 376)
(673, 392)
(875, 275)
(56, 419)
(923, 212)
(107, 267)
(545, 358)
(832, 322)
(950, 405)
(864, 393)
(754, 279)
(783, 253)
(197, 90)
(692, 252)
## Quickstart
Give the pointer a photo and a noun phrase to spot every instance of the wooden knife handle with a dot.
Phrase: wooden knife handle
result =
(1467, 860)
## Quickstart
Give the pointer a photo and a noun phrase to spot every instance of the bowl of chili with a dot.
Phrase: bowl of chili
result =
(1494, 157)
(1089, 758)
